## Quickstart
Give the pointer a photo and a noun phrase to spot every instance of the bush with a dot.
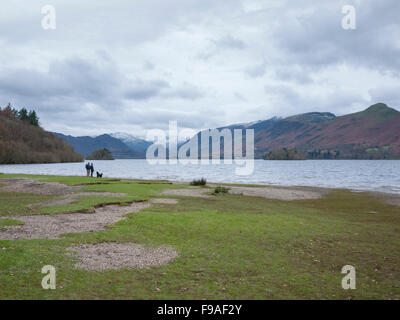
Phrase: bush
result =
(201, 182)
(220, 190)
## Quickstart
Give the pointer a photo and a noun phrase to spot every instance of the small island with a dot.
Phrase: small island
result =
(100, 154)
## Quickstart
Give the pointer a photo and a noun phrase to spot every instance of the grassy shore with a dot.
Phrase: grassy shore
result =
(230, 246)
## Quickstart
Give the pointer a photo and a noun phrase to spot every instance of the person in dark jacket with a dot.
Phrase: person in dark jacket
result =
(87, 169)
(91, 169)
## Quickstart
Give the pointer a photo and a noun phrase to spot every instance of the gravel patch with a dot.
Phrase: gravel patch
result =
(25, 185)
(189, 192)
(163, 201)
(113, 256)
(52, 226)
(280, 193)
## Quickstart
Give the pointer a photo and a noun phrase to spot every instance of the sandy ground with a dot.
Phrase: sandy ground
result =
(189, 192)
(389, 198)
(112, 256)
(280, 193)
(25, 185)
(52, 226)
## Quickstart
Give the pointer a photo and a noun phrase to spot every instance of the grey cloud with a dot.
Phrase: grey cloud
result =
(387, 94)
(239, 96)
(73, 77)
(148, 66)
(288, 101)
(145, 90)
(256, 71)
(229, 42)
(203, 63)
(294, 73)
(318, 40)
(186, 91)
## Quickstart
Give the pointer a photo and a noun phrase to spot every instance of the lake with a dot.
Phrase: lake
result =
(362, 175)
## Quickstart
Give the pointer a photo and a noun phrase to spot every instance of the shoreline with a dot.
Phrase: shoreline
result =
(278, 192)
(229, 184)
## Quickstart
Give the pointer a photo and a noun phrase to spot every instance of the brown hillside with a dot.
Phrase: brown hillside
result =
(21, 142)
(374, 130)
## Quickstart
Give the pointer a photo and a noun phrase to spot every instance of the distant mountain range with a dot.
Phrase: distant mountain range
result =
(123, 147)
(135, 143)
(371, 134)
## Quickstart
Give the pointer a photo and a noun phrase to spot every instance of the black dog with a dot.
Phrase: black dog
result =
(99, 175)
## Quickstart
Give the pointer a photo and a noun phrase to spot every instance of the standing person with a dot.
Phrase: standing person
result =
(87, 169)
(91, 169)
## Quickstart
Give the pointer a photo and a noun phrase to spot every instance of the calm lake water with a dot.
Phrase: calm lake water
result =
(373, 175)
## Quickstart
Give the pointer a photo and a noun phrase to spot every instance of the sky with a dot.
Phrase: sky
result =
(131, 66)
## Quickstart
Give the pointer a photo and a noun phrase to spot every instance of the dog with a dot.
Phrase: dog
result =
(99, 175)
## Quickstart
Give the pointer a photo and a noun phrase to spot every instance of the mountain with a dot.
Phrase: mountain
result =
(132, 142)
(370, 134)
(22, 142)
(86, 145)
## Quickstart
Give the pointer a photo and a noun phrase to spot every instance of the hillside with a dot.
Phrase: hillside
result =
(371, 134)
(22, 142)
(134, 143)
(86, 145)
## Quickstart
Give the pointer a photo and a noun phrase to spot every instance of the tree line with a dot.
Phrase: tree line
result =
(22, 114)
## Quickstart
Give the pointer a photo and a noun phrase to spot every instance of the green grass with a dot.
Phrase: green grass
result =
(136, 190)
(68, 180)
(12, 203)
(9, 222)
(22, 203)
(230, 247)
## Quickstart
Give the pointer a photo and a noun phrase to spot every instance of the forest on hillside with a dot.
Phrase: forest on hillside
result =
(22, 140)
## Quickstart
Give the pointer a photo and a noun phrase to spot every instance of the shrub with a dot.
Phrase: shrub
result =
(220, 190)
(200, 182)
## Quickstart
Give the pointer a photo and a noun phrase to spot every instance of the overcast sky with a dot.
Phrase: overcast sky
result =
(133, 65)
